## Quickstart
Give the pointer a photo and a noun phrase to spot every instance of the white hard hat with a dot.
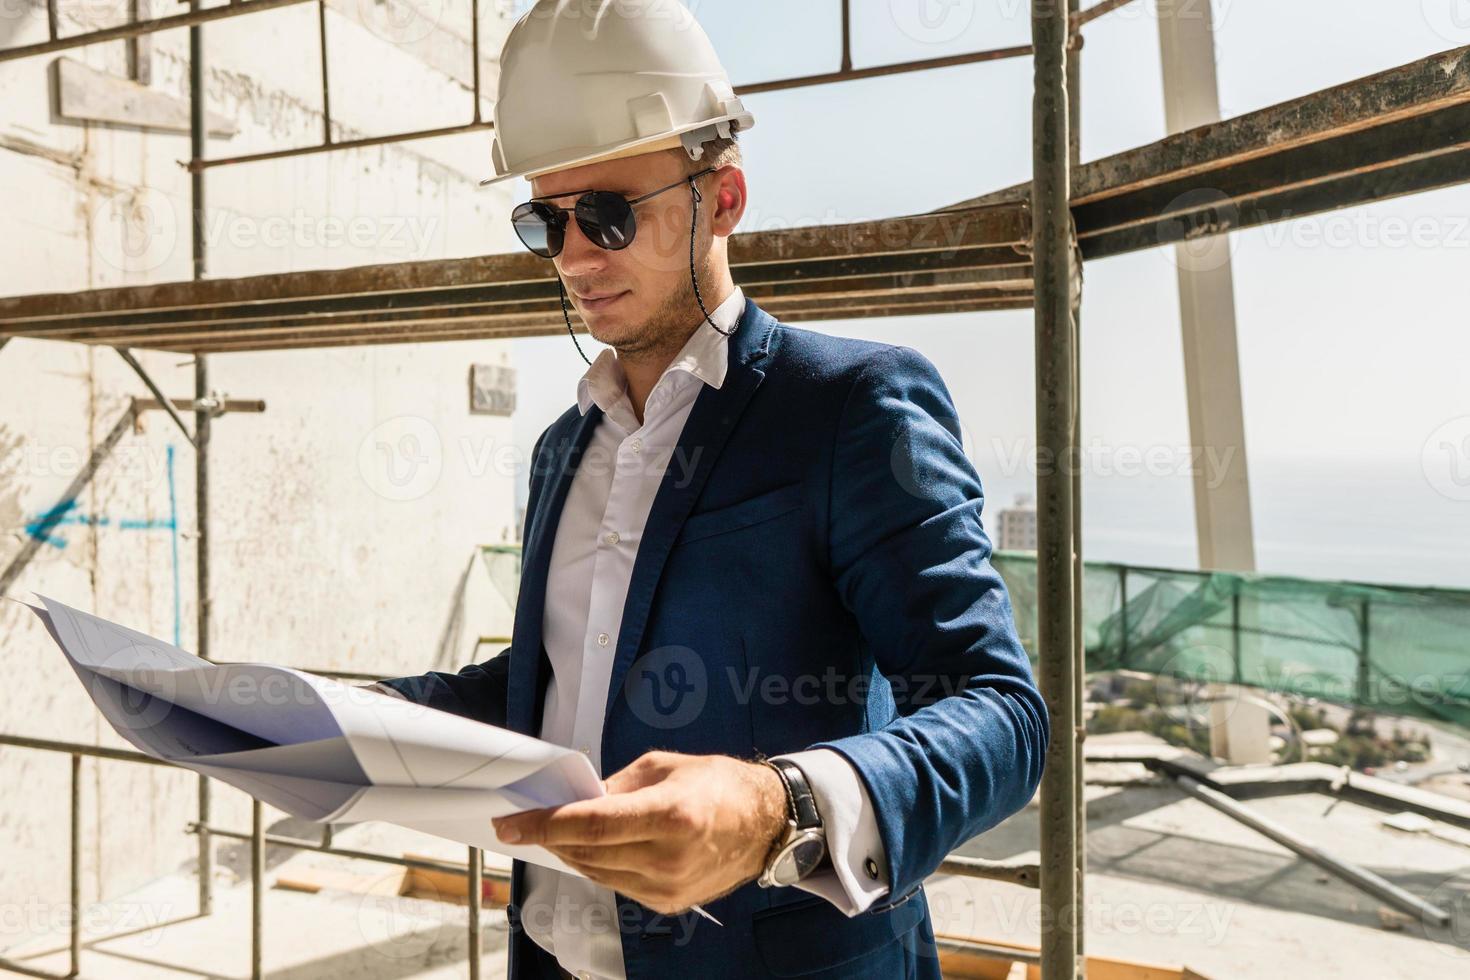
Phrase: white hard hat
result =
(582, 81)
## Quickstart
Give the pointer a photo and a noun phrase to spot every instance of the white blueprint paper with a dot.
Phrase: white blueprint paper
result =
(314, 747)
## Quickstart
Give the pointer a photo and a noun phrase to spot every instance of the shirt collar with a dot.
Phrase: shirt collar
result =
(705, 355)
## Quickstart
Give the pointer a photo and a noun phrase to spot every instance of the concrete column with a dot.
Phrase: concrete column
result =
(1222, 504)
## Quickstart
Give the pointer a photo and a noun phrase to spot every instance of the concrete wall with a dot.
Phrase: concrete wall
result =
(344, 517)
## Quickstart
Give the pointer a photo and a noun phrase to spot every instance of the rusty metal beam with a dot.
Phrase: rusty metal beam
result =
(950, 262)
(522, 305)
(542, 327)
(995, 235)
(852, 276)
(1401, 131)
(1405, 157)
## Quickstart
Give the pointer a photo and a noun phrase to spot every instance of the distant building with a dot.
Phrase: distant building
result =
(1018, 525)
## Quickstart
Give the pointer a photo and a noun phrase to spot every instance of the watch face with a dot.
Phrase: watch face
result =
(798, 859)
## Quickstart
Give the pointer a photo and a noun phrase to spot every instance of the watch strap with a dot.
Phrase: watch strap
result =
(802, 803)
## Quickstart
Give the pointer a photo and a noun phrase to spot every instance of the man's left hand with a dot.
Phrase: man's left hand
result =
(674, 830)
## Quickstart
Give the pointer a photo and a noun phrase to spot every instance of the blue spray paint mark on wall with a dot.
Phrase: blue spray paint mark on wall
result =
(65, 514)
(173, 526)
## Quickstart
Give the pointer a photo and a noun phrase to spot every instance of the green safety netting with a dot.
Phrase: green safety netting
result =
(1389, 648)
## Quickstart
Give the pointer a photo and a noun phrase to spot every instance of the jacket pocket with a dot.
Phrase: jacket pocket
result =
(752, 510)
(812, 936)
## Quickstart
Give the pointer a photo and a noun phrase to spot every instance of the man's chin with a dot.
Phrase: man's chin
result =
(612, 327)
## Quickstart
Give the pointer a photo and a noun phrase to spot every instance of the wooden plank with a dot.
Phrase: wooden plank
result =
(84, 94)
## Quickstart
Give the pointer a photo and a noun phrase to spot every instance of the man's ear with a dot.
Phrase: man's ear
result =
(731, 199)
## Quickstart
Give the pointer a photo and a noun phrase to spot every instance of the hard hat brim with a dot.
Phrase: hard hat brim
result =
(649, 144)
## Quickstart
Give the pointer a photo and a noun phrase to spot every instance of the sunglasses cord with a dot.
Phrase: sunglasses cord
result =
(693, 278)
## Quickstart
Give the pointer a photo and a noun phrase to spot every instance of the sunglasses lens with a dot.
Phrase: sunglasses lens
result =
(538, 229)
(606, 219)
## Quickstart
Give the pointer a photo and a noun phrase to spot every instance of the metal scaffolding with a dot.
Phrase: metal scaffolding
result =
(1397, 132)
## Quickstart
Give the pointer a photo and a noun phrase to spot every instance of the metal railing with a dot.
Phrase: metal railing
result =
(1020, 873)
(258, 839)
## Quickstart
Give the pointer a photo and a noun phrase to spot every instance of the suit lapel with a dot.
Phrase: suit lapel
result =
(526, 637)
(711, 419)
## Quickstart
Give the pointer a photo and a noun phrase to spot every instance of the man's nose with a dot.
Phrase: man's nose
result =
(579, 256)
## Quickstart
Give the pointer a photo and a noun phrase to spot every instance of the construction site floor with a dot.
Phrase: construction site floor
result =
(1170, 882)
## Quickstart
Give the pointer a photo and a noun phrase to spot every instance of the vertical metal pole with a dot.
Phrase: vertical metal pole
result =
(1123, 616)
(201, 433)
(257, 885)
(1365, 680)
(476, 895)
(1055, 437)
(475, 52)
(1235, 646)
(1074, 160)
(76, 865)
(321, 33)
(140, 49)
(846, 35)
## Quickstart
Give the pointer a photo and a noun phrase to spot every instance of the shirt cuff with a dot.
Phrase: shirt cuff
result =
(859, 873)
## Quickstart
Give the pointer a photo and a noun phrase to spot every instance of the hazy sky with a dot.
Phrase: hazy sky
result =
(1352, 327)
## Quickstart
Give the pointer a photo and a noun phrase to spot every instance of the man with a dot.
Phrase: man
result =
(755, 586)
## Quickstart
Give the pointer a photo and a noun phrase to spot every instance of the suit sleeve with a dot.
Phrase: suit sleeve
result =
(479, 691)
(963, 743)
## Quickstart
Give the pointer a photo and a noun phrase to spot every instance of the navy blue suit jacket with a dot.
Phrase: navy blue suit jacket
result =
(813, 574)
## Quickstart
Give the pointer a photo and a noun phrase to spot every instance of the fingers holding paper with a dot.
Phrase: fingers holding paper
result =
(674, 830)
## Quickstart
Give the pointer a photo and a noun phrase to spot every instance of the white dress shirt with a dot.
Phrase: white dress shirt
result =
(596, 542)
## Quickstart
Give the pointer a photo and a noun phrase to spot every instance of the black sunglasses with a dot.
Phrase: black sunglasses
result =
(605, 217)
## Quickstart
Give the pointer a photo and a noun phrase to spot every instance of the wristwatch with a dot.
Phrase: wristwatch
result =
(803, 844)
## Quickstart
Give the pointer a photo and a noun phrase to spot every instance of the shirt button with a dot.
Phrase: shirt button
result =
(637, 445)
(602, 639)
(871, 867)
(611, 537)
